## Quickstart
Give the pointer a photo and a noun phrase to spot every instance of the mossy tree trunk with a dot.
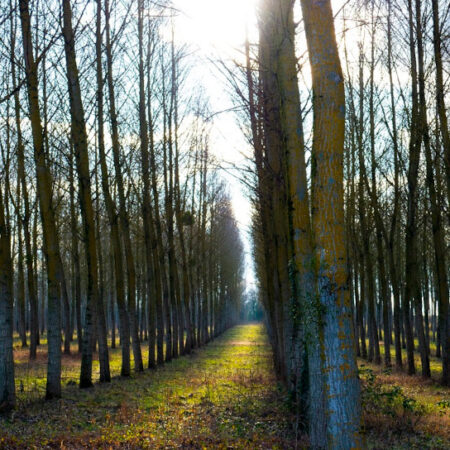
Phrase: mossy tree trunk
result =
(341, 387)
(48, 218)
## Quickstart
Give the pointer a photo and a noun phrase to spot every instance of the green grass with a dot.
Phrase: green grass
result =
(435, 363)
(225, 395)
(429, 429)
(31, 375)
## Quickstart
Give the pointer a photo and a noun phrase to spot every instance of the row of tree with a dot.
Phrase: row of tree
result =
(397, 191)
(112, 215)
(299, 223)
(351, 205)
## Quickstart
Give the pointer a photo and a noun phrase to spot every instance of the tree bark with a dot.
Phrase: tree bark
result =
(7, 385)
(44, 188)
(112, 213)
(95, 308)
(339, 364)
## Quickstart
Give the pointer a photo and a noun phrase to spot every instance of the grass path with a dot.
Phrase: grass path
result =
(223, 396)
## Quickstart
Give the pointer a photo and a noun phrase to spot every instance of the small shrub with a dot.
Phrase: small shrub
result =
(444, 406)
(381, 402)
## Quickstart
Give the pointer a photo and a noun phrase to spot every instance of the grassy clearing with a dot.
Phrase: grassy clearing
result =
(406, 412)
(224, 396)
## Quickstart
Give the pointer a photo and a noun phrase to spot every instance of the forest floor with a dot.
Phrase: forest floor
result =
(224, 395)
(403, 411)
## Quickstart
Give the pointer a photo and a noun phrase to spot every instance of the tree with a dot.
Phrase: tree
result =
(146, 201)
(339, 366)
(94, 308)
(123, 214)
(7, 384)
(111, 209)
(444, 311)
(48, 218)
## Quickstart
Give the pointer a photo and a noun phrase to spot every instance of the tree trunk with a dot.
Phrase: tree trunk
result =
(424, 131)
(25, 218)
(7, 386)
(123, 215)
(95, 308)
(76, 271)
(146, 200)
(374, 346)
(444, 310)
(411, 274)
(277, 38)
(160, 280)
(112, 214)
(44, 188)
(339, 360)
(394, 221)
(379, 225)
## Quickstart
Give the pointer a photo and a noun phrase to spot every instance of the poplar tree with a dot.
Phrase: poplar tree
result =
(48, 217)
(94, 309)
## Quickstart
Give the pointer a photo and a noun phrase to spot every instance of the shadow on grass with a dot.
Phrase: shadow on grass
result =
(223, 395)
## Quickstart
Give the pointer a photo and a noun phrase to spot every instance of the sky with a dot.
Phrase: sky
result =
(216, 29)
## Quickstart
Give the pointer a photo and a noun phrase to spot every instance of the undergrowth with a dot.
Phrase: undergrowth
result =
(396, 416)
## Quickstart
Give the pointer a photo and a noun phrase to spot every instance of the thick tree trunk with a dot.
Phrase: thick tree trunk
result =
(277, 188)
(339, 364)
(277, 38)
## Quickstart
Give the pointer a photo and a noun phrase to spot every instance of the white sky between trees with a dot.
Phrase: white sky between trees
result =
(216, 29)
